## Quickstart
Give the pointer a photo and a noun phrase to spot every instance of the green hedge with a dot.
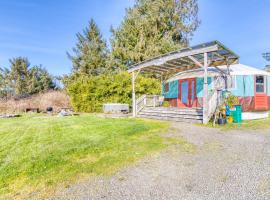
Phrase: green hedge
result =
(88, 94)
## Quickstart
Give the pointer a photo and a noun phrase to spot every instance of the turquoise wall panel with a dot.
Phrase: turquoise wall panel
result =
(244, 86)
(249, 86)
(268, 85)
(199, 85)
(173, 90)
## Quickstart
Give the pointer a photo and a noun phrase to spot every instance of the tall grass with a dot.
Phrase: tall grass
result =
(55, 99)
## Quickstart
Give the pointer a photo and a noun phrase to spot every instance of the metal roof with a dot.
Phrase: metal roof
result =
(235, 70)
(187, 59)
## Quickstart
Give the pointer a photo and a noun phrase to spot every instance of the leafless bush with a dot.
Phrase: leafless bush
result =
(55, 99)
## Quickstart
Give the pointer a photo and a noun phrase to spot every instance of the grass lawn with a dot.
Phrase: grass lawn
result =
(246, 125)
(39, 153)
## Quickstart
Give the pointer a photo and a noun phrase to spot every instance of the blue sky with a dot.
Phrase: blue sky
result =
(44, 30)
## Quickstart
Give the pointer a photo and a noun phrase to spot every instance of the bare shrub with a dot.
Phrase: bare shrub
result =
(55, 99)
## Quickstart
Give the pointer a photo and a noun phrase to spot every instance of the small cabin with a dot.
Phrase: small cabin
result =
(249, 84)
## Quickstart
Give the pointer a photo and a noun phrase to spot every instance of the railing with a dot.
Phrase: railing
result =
(148, 101)
(214, 101)
(215, 98)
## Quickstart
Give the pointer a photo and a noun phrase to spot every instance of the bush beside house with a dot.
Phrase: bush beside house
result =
(88, 94)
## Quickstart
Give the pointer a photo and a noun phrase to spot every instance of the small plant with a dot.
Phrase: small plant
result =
(232, 100)
(166, 104)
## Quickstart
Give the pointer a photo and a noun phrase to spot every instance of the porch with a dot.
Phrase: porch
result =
(150, 106)
(165, 66)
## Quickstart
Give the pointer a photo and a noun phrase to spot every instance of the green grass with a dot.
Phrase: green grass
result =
(245, 125)
(40, 153)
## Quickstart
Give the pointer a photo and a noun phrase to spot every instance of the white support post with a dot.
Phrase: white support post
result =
(133, 95)
(205, 91)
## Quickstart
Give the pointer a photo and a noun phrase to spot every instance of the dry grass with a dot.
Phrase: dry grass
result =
(55, 99)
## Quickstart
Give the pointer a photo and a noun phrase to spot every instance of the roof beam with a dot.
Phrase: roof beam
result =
(220, 70)
(163, 59)
(179, 62)
(157, 69)
(180, 65)
(152, 71)
(171, 65)
(195, 61)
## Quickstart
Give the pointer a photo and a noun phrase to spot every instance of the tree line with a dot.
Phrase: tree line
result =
(149, 28)
(22, 80)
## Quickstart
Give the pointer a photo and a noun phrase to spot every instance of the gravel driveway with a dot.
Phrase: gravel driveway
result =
(226, 165)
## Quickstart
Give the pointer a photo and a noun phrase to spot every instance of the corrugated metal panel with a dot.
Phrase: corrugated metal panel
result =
(261, 102)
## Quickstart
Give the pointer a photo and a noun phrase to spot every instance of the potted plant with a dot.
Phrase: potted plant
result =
(222, 115)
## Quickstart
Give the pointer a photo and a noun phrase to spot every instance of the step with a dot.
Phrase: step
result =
(197, 117)
(174, 109)
(171, 119)
(190, 112)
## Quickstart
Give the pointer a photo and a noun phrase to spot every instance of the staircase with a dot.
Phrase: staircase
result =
(191, 115)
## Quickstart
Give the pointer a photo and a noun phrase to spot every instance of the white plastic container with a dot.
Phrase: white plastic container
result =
(115, 108)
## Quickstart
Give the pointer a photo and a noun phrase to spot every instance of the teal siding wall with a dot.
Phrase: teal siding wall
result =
(173, 90)
(199, 85)
(244, 86)
(268, 85)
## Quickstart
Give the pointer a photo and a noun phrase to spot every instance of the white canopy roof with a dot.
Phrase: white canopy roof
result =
(236, 69)
(187, 59)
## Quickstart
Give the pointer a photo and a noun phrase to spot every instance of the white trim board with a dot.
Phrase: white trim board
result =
(255, 115)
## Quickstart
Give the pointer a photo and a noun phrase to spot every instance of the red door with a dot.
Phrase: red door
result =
(261, 102)
(187, 93)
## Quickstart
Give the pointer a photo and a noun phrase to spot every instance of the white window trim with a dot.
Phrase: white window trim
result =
(265, 84)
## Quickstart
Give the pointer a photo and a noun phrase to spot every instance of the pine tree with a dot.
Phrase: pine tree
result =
(5, 87)
(39, 80)
(154, 27)
(19, 75)
(90, 53)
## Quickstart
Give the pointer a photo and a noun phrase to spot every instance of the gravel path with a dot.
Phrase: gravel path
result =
(226, 165)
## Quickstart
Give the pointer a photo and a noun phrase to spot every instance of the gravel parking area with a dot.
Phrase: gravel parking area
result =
(226, 165)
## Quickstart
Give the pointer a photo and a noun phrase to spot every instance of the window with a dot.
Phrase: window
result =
(260, 84)
(167, 87)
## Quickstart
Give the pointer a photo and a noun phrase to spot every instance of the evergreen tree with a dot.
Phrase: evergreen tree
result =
(90, 53)
(5, 87)
(154, 27)
(19, 75)
(23, 80)
(39, 80)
